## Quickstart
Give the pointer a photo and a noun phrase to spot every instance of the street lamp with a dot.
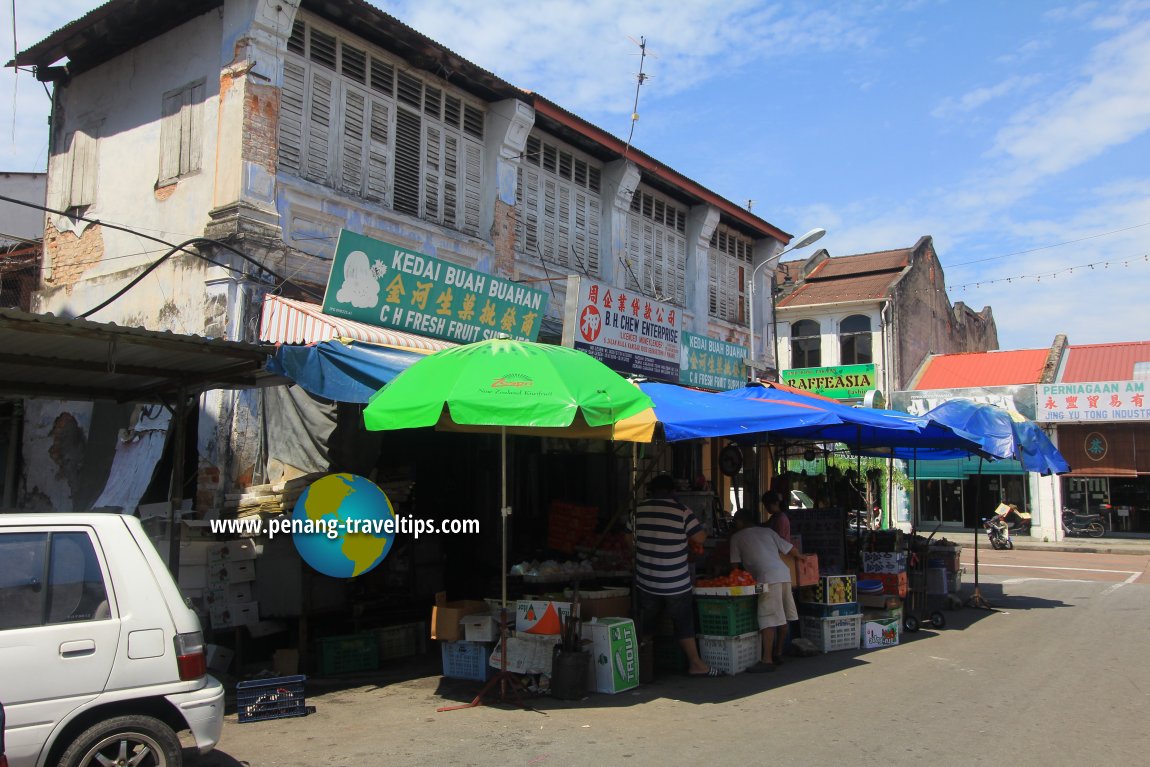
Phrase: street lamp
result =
(809, 238)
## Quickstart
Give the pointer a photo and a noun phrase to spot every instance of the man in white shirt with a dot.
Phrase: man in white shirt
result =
(762, 552)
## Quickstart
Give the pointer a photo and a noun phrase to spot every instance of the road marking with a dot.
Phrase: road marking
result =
(1045, 567)
(1117, 586)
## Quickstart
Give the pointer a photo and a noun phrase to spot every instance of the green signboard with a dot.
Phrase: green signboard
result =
(388, 286)
(843, 382)
(711, 364)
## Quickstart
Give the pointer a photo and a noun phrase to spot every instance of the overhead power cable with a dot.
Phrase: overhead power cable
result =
(175, 248)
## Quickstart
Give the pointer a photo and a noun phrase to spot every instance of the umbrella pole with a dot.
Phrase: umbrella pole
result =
(504, 678)
(976, 599)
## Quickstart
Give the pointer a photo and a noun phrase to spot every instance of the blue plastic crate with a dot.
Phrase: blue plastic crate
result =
(466, 660)
(276, 698)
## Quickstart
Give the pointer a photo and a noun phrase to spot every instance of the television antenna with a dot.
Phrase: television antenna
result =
(640, 79)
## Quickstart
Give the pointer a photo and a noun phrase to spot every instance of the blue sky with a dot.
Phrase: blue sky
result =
(1016, 134)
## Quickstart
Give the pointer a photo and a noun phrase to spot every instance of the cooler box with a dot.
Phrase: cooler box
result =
(614, 654)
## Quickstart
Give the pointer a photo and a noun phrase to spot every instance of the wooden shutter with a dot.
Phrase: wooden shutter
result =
(432, 173)
(408, 151)
(319, 129)
(450, 180)
(377, 153)
(82, 175)
(354, 141)
(472, 186)
(170, 136)
(291, 118)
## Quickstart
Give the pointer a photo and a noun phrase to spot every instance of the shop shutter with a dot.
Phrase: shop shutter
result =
(432, 173)
(450, 180)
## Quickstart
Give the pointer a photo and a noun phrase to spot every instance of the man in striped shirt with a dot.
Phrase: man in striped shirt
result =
(664, 530)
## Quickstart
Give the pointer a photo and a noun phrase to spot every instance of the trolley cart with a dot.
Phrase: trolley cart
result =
(918, 609)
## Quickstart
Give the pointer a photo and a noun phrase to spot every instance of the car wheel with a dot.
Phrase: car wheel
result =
(142, 741)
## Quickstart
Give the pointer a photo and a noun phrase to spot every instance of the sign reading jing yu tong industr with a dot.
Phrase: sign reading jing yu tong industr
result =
(389, 286)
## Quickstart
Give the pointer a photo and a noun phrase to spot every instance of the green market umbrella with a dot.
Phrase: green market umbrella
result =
(503, 383)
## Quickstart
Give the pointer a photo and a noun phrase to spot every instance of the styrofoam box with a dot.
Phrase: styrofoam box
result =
(233, 551)
(480, 628)
(220, 575)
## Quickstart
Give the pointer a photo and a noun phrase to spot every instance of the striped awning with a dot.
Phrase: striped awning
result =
(287, 321)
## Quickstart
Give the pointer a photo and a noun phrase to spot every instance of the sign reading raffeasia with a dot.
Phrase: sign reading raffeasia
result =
(843, 382)
(1092, 401)
(388, 286)
(712, 364)
(627, 331)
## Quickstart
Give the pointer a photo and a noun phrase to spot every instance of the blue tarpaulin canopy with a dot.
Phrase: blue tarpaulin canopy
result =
(341, 371)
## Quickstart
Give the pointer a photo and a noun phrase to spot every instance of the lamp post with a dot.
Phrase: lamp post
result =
(810, 237)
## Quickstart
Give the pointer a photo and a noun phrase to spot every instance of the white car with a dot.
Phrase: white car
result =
(101, 660)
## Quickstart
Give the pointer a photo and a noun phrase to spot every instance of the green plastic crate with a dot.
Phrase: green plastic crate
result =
(401, 641)
(346, 654)
(727, 616)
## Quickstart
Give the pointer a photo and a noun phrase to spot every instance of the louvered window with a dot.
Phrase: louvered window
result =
(558, 207)
(354, 119)
(657, 251)
(81, 173)
(181, 126)
(729, 266)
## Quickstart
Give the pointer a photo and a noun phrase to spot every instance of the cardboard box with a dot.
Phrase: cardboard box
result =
(614, 654)
(445, 616)
(286, 662)
(880, 601)
(540, 616)
(233, 551)
(218, 658)
(884, 561)
(894, 584)
(480, 628)
(526, 653)
(221, 574)
(607, 607)
(230, 614)
(805, 574)
(880, 632)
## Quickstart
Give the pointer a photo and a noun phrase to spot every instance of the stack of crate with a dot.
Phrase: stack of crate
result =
(728, 632)
(829, 613)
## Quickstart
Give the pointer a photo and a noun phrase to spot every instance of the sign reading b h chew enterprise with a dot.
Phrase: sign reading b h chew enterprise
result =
(382, 284)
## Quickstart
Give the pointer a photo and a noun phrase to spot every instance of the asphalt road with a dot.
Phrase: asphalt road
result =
(1056, 674)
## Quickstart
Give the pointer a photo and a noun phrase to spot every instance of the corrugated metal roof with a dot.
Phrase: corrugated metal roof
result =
(869, 287)
(864, 263)
(287, 321)
(1103, 362)
(59, 358)
(999, 368)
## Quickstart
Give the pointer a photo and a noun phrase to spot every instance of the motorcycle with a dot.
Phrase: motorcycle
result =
(1074, 523)
(1001, 526)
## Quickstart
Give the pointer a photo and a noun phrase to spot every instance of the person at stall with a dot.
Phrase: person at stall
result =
(777, 518)
(763, 553)
(664, 532)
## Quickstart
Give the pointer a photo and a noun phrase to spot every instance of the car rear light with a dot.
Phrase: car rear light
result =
(190, 656)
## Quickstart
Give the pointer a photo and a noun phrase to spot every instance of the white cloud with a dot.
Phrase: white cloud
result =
(972, 100)
(1109, 107)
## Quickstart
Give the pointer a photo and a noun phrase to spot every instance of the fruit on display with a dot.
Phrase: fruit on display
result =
(737, 577)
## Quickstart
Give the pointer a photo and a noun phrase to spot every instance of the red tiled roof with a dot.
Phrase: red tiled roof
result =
(1103, 362)
(957, 371)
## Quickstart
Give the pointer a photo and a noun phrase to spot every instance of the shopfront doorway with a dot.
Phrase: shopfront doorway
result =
(941, 503)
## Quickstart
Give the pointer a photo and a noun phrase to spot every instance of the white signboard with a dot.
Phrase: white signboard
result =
(627, 331)
(1092, 401)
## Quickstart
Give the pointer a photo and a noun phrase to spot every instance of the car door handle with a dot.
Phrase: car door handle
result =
(78, 648)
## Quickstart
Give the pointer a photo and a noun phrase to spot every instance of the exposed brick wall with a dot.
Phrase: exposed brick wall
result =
(261, 111)
(69, 256)
(503, 238)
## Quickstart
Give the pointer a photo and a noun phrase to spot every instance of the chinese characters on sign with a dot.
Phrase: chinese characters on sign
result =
(712, 364)
(388, 286)
(626, 331)
(1093, 401)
